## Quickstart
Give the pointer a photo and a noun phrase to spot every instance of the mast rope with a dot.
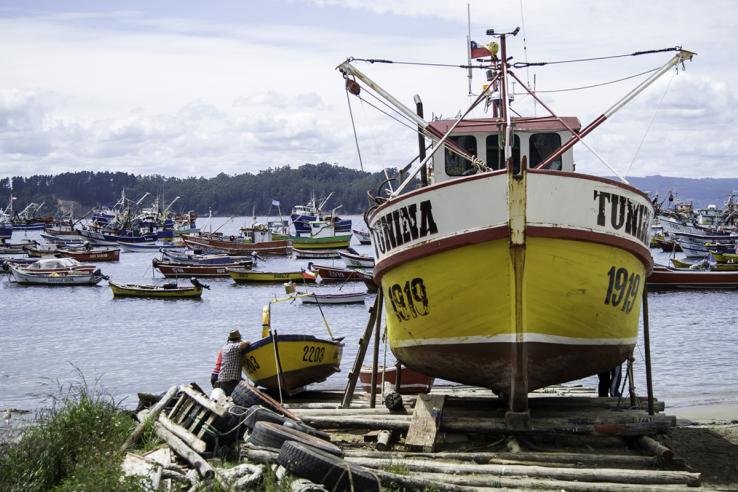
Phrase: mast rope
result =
(583, 87)
(353, 125)
(596, 58)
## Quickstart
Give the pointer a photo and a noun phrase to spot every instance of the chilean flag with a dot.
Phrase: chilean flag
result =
(478, 51)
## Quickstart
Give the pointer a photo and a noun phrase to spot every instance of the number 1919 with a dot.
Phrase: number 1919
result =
(622, 287)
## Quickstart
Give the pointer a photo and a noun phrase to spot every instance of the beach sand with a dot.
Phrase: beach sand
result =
(717, 412)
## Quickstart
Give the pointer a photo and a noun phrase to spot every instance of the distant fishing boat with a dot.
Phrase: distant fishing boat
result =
(143, 247)
(171, 269)
(194, 258)
(322, 235)
(334, 298)
(244, 276)
(91, 254)
(362, 236)
(54, 265)
(235, 247)
(354, 259)
(666, 278)
(65, 278)
(315, 254)
(165, 291)
(334, 274)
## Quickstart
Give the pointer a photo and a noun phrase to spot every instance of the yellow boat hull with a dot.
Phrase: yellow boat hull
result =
(303, 360)
(460, 324)
(242, 276)
(153, 292)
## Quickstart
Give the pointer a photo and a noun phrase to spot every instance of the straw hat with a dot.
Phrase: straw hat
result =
(234, 336)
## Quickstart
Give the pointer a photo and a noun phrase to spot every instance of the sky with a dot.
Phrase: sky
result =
(191, 88)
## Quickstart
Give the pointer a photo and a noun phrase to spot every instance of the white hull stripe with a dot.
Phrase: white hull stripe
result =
(511, 338)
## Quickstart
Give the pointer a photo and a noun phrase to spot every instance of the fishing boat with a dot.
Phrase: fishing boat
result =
(144, 247)
(62, 240)
(706, 264)
(411, 381)
(165, 291)
(39, 250)
(6, 226)
(65, 278)
(334, 274)
(666, 278)
(171, 269)
(89, 254)
(247, 276)
(315, 254)
(364, 237)
(322, 235)
(232, 246)
(302, 215)
(197, 258)
(354, 259)
(506, 269)
(115, 239)
(290, 362)
(54, 265)
(334, 298)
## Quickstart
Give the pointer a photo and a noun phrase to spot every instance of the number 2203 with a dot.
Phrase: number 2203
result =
(622, 287)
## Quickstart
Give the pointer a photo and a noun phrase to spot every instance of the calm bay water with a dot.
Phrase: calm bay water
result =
(133, 345)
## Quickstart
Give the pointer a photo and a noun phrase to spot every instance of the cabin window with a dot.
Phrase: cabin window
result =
(457, 165)
(542, 145)
(496, 152)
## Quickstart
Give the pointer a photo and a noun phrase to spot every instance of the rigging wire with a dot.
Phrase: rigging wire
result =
(595, 58)
(363, 100)
(525, 45)
(598, 85)
(420, 64)
(650, 123)
(353, 125)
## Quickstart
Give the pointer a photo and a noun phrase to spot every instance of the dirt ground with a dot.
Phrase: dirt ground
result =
(711, 449)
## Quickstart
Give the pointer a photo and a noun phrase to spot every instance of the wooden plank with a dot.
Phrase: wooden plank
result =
(198, 418)
(425, 422)
(203, 401)
(193, 441)
(208, 423)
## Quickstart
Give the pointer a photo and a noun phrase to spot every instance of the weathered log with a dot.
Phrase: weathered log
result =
(539, 457)
(524, 483)
(664, 454)
(613, 475)
(415, 483)
(259, 455)
(184, 451)
(175, 475)
(153, 413)
(384, 438)
(192, 440)
(316, 412)
(305, 485)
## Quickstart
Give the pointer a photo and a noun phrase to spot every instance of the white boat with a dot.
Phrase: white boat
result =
(362, 236)
(143, 247)
(315, 254)
(55, 265)
(354, 259)
(335, 298)
(65, 278)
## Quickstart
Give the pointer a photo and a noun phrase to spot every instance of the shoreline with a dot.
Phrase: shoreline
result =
(718, 412)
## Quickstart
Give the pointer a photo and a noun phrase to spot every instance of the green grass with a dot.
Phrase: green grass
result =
(74, 448)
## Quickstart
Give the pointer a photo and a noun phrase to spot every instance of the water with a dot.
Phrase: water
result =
(51, 335)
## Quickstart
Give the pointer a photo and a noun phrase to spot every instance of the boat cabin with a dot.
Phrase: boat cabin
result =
(533, 138)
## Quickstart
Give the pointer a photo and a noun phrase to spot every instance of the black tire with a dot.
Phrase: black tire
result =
(271, 435)
(246, 395)
(334, 473)
(260, 414)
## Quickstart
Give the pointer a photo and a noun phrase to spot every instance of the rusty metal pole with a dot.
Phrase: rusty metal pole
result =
(647, 349)
(375, 363)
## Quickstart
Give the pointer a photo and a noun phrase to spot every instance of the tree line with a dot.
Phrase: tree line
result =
(241, 194)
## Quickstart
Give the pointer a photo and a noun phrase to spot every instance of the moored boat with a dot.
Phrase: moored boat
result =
(666, 278)
(245, 276)
(334, 298)
(354, 259)
(91, 254)
(195, 258)
(172, 269)
(315, 254)
(143, 247)
(334, 274)
(234, 247)
(54, 265)
(165, 291)
(63, 278)
(362, 236)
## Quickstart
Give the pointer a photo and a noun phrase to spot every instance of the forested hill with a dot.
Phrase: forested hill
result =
(225, 195)
(243, 193)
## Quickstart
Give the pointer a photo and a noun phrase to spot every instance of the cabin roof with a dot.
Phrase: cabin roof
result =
(489, 125)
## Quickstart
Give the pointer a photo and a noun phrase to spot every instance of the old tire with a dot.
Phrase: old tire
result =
(260, 414)
(246, 395)
(271, 435)
(334, 473)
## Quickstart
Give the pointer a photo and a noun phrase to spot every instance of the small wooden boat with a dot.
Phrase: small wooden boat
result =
(354, 259)
(290, 362)
(235, 247)
(246, 276)
(146, 246)
(165, 291)
(333, 274)
(362, 236)
(335, 298)
(93, 254)
(62, 240)
(704, 265)
(172, 269)
(54, 265)
(330, 242)
(317, 254)
(67, 278)
(725, 257)
(198, 258)
(411, 381)
(39, 250)
(666, 278)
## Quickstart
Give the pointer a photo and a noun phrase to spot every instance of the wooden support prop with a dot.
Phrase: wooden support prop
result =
(184, 451)
(663, 454)
(353, 376)
(153, 414)
(384, 440)
(375, 359)
(482, 457)
(614, 475)
(647, 349)
(425, 422)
